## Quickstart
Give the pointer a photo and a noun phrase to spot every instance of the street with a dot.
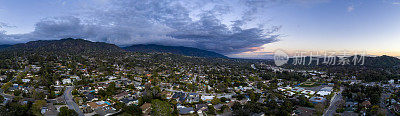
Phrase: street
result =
(70, 102)
(8, 96)
(332, 106)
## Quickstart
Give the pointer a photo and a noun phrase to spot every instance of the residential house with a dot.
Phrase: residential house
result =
(185, 110)
(192, 97)
(316, 100)
(146, 108)
(207, 98)
(121, 95)
(66, 81)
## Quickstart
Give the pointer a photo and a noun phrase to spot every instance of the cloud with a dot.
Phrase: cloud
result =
(126, 22)
(5, 25)
(350, 8)
(4, 38)
(393, 2)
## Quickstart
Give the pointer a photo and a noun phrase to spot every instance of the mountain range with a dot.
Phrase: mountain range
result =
(63, 46)
(81, 46)
(187, 51)
(4, 46)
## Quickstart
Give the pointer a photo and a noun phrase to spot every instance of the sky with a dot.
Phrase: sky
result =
(236, 28)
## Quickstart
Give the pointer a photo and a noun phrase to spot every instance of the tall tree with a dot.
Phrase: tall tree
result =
(161, 108)
(64, 111)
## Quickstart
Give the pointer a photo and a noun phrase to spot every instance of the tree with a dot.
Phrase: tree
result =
(14, 109)
(223, 99)
(382, 112)
(111, 88)
(38, 95)
(303, 101)
(239, 110)
(119, 105)
(341, 103)
(6, 86)
(223, 108)
(37, 105)
(155, 92)
(52, 95)
(160, 108)
(374, 110)
(133, 109)
(74, 92)
(1, 99)
(19, 79)
(319, 108)
(375, 98)
(215, 101)
(211, 110)
(254, 96)
(17, 92)
(64, 111)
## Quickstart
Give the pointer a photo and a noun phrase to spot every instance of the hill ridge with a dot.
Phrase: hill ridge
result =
(181, 50)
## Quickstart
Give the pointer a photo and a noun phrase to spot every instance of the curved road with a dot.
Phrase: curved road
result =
(70, 101)
(7, 95)
(333, 103)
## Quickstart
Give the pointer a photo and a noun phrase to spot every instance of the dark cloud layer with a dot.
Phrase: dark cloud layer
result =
(127, 22)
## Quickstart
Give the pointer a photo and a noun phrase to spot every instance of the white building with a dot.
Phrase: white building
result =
(391, 81)
(26, 80)
(308, 92)
(111, 77)
(284, 88)
(206, 98)
(330, 89)
(66, 81)
(74, 77)
(325, 91)
(289, 93)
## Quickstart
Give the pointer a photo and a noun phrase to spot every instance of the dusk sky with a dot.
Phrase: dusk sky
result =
(236, 28)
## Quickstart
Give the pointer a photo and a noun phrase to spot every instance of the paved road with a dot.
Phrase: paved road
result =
(7, 95)
(70, 102)
(13, 79)
(333, 103)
